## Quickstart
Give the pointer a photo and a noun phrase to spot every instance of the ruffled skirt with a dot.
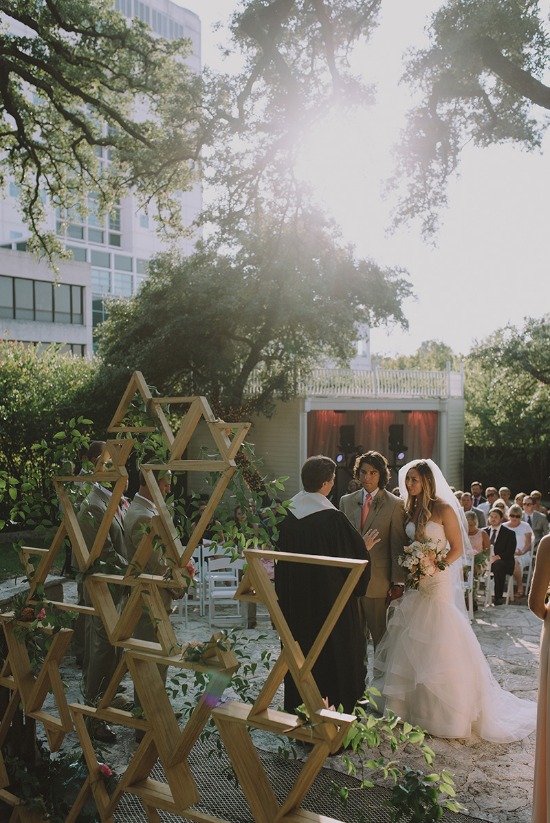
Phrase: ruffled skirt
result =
(432, 672)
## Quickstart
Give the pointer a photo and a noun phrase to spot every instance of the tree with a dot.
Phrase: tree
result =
(507, 401)
(271, 298)
(480, 83)
(91, 106)
(525, 349)
(431, 355)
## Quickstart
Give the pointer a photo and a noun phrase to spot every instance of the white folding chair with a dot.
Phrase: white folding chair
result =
(223, 582)
(485, 587)
(468, 585)
(509, 589)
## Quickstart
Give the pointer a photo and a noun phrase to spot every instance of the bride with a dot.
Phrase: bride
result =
(429, 665)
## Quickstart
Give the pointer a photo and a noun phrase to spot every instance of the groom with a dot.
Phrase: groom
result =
(372, 507)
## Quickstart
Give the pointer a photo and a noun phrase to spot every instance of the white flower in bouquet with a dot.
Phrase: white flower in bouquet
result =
(423, 559)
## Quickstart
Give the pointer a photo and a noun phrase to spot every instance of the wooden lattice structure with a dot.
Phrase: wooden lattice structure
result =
(163, 739)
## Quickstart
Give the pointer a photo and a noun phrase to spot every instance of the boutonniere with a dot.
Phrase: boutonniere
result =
(377, 502)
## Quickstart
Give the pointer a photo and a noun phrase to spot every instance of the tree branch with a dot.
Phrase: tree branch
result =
(517, 79)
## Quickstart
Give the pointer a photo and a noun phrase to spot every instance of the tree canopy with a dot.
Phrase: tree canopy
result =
(480, 81)
(91, 104)
(70, 83)
(273, 298)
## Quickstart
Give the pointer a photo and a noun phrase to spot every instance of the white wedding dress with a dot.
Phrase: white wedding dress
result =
(432, 672)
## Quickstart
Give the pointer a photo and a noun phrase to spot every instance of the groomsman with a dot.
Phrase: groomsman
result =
(373, 507)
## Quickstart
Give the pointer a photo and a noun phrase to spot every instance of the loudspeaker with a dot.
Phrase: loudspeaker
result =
(395, 437)
(347, 438)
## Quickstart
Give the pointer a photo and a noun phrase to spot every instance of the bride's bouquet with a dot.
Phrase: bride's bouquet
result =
(423, 559)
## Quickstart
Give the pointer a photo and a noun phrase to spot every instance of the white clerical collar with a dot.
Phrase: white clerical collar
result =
(305, 503)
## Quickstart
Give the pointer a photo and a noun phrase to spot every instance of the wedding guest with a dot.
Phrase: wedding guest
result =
(536, 497)
(500, 504)
(100, 656)
(467, 503)
(536, 520)
(477, 496)
(138, 519)
(479, 541)
(538, 603)
(519, 498)
(429, 666)
(374, 507)
(524, 540)
(491, 494)
(505, 494)
(307, 592)
(503, 543)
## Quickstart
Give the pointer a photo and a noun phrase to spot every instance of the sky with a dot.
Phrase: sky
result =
(490, 262)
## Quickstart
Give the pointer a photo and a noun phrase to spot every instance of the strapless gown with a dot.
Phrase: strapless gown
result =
(432, 672)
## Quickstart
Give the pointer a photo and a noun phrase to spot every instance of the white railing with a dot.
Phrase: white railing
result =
(375, 383)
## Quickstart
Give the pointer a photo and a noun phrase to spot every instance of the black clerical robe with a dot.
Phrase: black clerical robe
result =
(306, 594)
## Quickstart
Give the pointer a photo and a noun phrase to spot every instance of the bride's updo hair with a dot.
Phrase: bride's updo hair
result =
(424, 502)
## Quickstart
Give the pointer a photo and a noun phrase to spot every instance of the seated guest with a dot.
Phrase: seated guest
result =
(466, 501)
(536, 497)
(524, 538)
(491, 494)
(505, 494)
(503, 547)
(536, 520)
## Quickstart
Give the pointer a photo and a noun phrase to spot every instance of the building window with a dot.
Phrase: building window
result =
(123, 263)
(24, 299)
(101, 281)
(6, 297)
(43, 296)
(123, 284)
(62, 303)
(77, 252)
(99, 314)
(77, 308)
(40, 300)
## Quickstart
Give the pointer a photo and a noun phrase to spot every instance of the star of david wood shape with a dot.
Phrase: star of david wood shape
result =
(328, 728)
(30, 689)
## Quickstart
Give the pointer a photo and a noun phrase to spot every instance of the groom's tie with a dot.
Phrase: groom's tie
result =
(365, 510)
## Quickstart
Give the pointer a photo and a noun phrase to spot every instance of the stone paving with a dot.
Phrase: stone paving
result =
(494, 782)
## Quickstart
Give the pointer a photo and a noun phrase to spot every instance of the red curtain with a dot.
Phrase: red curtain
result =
(371, 431)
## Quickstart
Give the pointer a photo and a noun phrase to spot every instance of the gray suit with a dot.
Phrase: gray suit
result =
(387, 515)
(138, 517)
(100, 657)
(539, 524)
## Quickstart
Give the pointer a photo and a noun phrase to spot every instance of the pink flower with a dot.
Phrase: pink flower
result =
(105, 770)
(41, 614)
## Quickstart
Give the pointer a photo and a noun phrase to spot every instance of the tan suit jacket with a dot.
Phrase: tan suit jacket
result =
(388, 516)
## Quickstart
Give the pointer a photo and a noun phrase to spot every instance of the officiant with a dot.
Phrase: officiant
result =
(307, 592)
